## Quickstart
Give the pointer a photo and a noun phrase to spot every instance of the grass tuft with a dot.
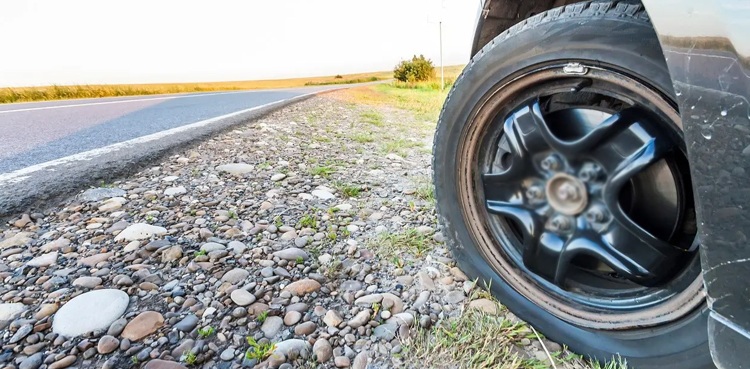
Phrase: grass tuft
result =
(473, 340)
(372, 117)
(410, 241)
(259, 350)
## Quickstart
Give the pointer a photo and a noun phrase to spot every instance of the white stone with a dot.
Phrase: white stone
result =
(236, 168)
(242, 297)
(140, 231)
(174, 191)
(325, 195)
(170, 178)
(278, 176)
(44, 260)
(90, 312)
(11, 311)
(305, 196)
(344, 207)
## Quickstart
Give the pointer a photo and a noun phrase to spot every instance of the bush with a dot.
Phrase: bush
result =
(417, 69)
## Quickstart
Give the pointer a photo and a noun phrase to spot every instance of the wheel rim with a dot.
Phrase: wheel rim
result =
(577, 191)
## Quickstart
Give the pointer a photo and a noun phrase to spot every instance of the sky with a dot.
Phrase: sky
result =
(149, 41)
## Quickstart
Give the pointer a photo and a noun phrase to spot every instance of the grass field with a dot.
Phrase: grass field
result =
(23, 94)
(425, 99)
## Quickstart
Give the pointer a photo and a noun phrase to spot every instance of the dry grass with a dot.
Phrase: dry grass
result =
(23, 94)
(425, 99)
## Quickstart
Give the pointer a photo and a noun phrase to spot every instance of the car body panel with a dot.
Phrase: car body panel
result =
(707, 47)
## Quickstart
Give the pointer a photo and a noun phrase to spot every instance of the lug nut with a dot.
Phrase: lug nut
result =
(551, 162)
(560, 223)
(535, 193)
(590, 172)
(596, 214)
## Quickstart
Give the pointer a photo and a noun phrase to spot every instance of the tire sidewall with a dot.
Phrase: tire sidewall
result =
(632, 46)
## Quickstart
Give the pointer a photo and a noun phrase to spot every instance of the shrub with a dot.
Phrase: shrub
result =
(417, 69)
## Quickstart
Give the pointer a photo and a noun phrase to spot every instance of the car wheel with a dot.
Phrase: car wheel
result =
(562, 184)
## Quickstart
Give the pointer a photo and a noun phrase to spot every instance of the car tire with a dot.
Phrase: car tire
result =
(599, 34)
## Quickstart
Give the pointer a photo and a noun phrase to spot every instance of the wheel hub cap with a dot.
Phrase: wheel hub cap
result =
(566, 194)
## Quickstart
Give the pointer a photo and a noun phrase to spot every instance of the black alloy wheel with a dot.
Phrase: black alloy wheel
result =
(563, 183)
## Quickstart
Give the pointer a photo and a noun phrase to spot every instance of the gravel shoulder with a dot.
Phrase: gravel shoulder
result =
(305, 239)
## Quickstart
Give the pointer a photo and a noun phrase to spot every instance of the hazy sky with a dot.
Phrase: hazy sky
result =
(139, 41)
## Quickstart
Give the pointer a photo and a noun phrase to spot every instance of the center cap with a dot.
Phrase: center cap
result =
(566, 194)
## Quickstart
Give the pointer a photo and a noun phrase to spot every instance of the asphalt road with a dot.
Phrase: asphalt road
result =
(51, 150)
(34, 133)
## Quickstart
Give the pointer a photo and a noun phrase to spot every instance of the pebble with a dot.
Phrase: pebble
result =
(90, 312)
(292, 317)
(332, 318)
(341, 361)
(143, 325)
(242, 297)
(322, 350)
(140, 231)
(271, 326)
(107, 344)
(303, 287)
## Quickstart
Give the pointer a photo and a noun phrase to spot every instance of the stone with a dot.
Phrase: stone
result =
(87, 282)
(101, 193)
(174, 191)
(235, 275)
(90, 312)
(107, 344)
(292, 317)
(454, 297)
(237, 247)
(303, 287)
(64, 362)
(55, 245)
(341, 361)
(236, 168)
(298, 346)
(163, 364)
(278, 176)
(332, 318)
(242, 297)
(18, 239)
(291, 254)
(46, 310)
(187, 324)
(227, 354)
(143, 325)
(140, 231)
(32, 362)
(360, 361)
(385, 331)
(368, 300)
(322, 350)
(91, 261)
(212, 246)
(323, 195)
(171, 254)
(401, 319)
(305, 329)
(486, 306)
(21, 333)
(117, 326)
(11, 311)
(44, 260)
(271, 326)
(360, 319)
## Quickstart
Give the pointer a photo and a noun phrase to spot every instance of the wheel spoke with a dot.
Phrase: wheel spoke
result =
(649, 153)
(523, 141)
(529, 221)
(598, 136)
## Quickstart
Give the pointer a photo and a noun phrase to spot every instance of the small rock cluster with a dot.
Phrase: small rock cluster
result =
(235, 246)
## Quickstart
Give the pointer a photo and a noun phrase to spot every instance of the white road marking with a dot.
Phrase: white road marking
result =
(121, 101)
(22, 174)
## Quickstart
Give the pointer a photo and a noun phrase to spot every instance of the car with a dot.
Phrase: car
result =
(592, 169)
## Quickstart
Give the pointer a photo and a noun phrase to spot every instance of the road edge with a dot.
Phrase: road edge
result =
(39, 186)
